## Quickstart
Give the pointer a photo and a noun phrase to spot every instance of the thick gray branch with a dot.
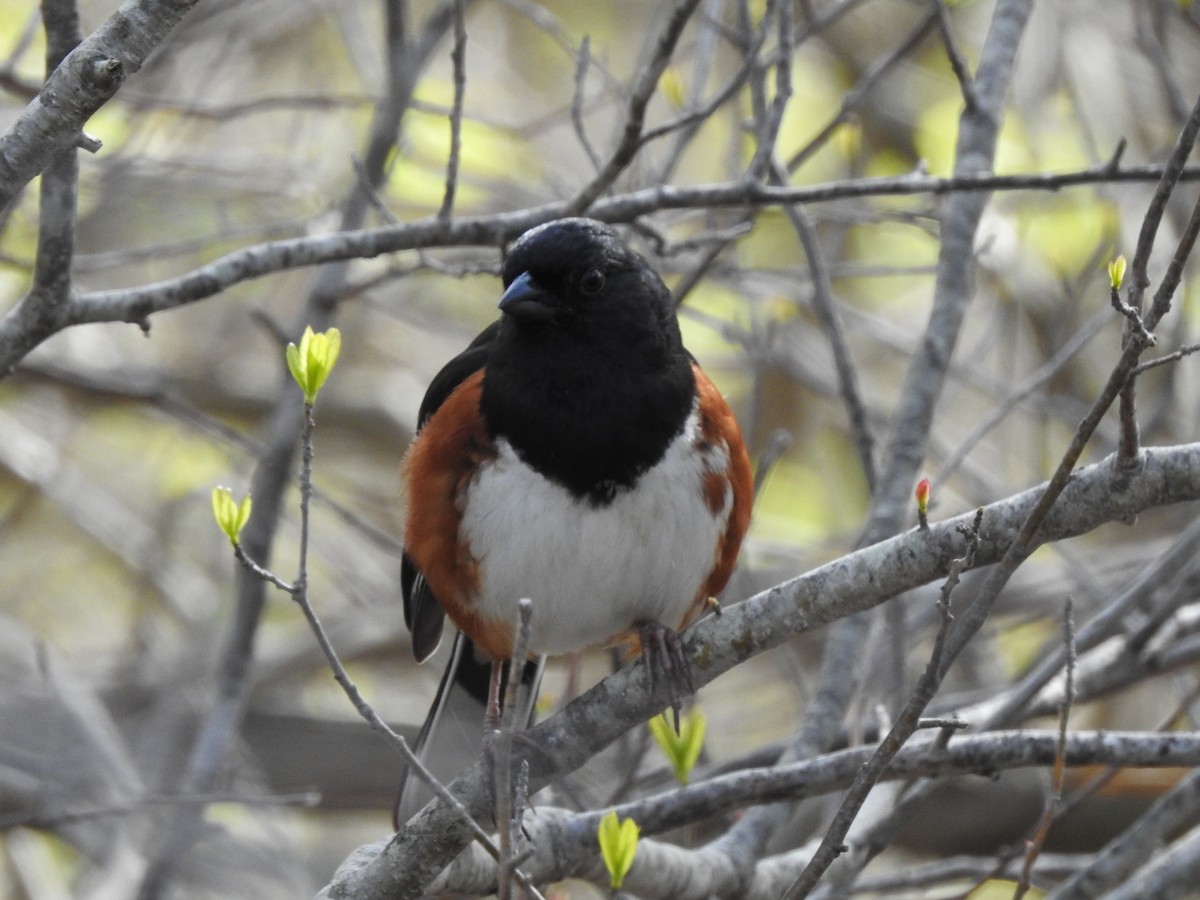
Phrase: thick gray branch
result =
(566, 842)
(985, 754)
(87, 79)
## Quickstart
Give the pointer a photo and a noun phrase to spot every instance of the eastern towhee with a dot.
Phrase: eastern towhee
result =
(574, 454)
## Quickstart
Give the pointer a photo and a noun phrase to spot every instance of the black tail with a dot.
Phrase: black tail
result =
(451, 737)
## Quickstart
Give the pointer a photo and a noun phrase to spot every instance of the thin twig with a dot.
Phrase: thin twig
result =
(1161, 304)
(832, 844)
(776, 445)
(458, 56)
(1023, 390)
(299, 592)
(685, 122)
(1133, 317)
(1139, 842)
(1058, 772)
(855, 97)
(947, 728)
(501, 749)
(181, 106)
(265, 574)
(582, 64)
(925, 878)
(1127, 450)
(1164, 360)
(306, 460)
(373, 196)
(831, 322)
(704, 59)
(1172, 171)
(1135, 328)
(377, 724)
(635, 115)
(957, 64)
(694, 276)
(1105, 623)
(769, 124)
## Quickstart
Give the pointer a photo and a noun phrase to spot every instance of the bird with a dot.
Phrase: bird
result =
(575, 454)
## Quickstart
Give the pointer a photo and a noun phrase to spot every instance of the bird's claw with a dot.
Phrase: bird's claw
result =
(662, 653)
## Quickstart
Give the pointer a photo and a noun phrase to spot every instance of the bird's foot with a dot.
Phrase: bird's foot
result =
(662, 652)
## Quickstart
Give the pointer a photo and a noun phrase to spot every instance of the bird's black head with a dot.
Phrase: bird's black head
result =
(586, 375)
(577, 276)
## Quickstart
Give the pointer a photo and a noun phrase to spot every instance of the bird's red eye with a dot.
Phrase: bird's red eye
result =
(592, 281)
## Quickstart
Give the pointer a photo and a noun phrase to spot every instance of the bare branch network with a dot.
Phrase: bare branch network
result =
(871, 322)
(22, 328)
(564, 839)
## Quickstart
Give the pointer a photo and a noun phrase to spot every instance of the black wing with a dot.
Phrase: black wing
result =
(457, 371)
(422, 612)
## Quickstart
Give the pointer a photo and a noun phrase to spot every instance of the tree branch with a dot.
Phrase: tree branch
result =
(87, 79)
(1179, 808)
(22, 329)
(565, 843)
(852, 584)
(635, 115)
(60, 182)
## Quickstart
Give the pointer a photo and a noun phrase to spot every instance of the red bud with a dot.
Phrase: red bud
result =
(922, 494)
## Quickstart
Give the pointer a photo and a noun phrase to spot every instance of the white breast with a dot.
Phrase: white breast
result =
(592, 571)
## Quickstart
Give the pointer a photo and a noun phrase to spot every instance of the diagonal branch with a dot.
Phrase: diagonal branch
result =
(1140, 279)
(1179, 808)
(87, 79)
(906, 725)
(635, 116)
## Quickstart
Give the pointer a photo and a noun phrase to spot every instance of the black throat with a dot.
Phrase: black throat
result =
(591, 418)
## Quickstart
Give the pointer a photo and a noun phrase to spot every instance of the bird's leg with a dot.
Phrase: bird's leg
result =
(491, 717)
(662, 652)
(509, 786)
(493, 740)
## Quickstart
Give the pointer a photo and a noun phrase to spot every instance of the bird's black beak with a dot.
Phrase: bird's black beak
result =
(524, 299)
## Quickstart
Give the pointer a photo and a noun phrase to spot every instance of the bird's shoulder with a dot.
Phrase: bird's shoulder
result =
(471, 360)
